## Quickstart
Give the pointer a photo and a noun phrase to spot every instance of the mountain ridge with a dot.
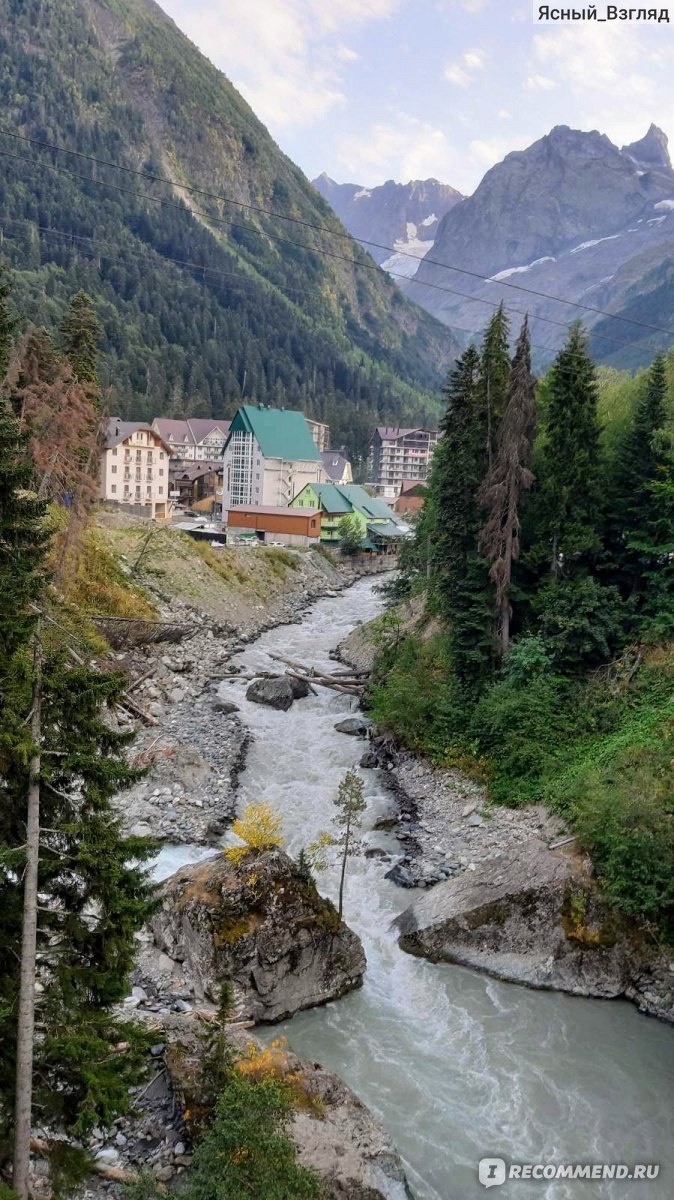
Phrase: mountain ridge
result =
(263, 314)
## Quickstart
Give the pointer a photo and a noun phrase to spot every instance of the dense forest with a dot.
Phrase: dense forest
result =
(202, 303)
(545, 551)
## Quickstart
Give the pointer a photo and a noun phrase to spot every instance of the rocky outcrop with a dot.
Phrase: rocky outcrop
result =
(354, 726)
(263, 926)
(535, 918)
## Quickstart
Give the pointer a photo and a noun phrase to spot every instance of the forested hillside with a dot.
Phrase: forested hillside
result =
(200, 301)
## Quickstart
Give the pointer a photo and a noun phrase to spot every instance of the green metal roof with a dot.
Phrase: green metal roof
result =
(279, 432)
(330, 497)
(385, 529)
(369, 506)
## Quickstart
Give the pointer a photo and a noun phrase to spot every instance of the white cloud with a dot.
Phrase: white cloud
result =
(540, 83)
(287, 58)
(463, 70)
(408, 149)
(608, 77)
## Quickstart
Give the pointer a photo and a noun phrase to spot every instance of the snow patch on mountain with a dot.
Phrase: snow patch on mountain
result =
(520, 270)
(430, 220)
(664, 204)
(594, 242)
(363, 194)
(409, 254)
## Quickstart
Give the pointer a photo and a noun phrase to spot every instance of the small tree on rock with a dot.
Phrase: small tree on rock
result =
(350, 805)
(259, 828)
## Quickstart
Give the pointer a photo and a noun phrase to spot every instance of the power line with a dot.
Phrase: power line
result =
(229, 223)
(334, 233)
(243, 279)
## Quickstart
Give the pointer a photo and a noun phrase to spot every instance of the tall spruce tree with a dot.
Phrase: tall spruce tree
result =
(7, 323)
(508, 478)
(642, 519)
(94, 892)
(568, 506)
(81, 332)
(494, 375)
(462, 575)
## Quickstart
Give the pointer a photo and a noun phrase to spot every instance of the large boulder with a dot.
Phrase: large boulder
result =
(275, 693)
(532, 918)
(263, 926)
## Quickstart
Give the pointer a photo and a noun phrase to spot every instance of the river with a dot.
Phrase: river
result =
(457, 1066)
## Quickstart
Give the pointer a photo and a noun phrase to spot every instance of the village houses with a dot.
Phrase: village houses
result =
(135, 469)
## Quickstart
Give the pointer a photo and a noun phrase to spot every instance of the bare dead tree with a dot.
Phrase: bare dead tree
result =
(507, 479)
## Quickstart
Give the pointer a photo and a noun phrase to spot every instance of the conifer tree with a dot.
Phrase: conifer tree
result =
(461, 574)
(508, 478)
(494, 375)
(81, 331)
(643, 520)
(94, 893)
(569, 499)
(7, 324)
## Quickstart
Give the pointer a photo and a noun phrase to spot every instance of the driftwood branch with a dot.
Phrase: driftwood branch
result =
(348, 683)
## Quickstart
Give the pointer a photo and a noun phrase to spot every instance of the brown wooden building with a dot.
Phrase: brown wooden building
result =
(292, 526)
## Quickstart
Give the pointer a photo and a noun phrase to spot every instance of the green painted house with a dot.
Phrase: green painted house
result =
(381, 528)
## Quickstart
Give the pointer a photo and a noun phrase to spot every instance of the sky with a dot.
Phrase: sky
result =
(370, 90)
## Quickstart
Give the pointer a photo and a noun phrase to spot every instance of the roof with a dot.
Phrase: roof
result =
(330, 497)
(345, 497)
(334, 463)
(370, 506)
(390, 433)
(280, 432)
(410, 485)
(201, 427)
(194, 470)
(118, 431)
(270, 510)
(191, 431)
(386, 529)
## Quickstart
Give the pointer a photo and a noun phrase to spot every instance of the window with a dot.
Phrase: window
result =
(114, 451)
(161, 491)
(313, 522)
(161, 470)
(114, 468)
(113, 487)
(161, 453)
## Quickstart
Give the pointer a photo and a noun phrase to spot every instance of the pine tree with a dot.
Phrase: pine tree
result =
(7, 324)
(494, 375)
(350, 805)
(81, 332)
(461, 574)
(568, 506)
(642, 519)
(508, 478)
(94, 895)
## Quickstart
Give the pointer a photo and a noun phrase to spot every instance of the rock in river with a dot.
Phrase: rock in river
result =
(263, 926)
(532, 918)
(276, 693)
(356, 726)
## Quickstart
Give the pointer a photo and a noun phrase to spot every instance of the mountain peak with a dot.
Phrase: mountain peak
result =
(651, 150)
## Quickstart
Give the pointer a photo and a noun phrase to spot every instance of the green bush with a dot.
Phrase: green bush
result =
(520, 727)
(624, 815)
(416, 698)
(247, 1151)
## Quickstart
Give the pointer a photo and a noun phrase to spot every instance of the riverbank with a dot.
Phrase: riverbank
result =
(193, 745)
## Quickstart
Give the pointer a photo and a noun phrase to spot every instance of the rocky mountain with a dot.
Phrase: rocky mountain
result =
(203, 301)
(404, 216)
(572, 216)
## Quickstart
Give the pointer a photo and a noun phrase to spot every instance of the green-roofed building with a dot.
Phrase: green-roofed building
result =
(381, 528)
(269, 457)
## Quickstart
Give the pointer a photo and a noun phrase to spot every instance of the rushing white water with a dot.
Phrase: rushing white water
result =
(456, 1066)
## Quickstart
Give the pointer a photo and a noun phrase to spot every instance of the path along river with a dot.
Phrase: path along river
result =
(456, 1066)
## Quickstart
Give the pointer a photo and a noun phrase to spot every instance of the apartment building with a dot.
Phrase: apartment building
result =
(195, 440)
(134, 469)
(320, 432)
(398, 456)
(269, 457)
